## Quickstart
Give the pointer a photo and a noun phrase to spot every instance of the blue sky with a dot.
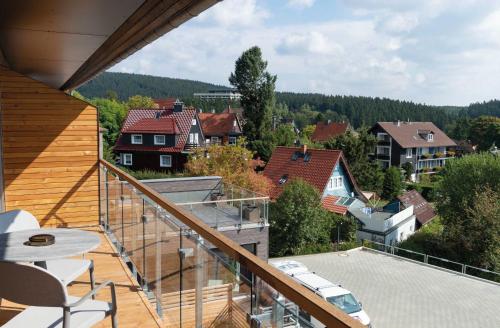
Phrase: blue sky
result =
(440, 52)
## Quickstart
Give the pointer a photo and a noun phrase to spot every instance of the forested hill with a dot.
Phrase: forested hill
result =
(303, 107)
(126, 85)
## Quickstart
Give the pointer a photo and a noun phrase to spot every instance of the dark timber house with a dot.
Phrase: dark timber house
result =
(159, 139)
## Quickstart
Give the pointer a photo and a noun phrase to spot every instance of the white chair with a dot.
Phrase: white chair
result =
(67, 270)
(49, 304)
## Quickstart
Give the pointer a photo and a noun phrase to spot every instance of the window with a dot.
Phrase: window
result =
(159, 139)
(137, 139)
(409, 152)
(214, 140)
(193, 121)
(430, 137)
(283, 179)
(382, 136)
(193, 138)
(336, 182)
(165, 160)
(232, 140)
(126, 159)
(234, 123)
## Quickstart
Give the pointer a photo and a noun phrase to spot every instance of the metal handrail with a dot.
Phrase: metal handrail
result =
(427, 256)
(319, 308)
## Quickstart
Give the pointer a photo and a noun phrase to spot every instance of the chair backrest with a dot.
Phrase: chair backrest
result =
(31, 285)
(17, 220)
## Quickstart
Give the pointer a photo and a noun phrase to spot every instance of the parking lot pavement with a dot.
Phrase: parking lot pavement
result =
(399, 293)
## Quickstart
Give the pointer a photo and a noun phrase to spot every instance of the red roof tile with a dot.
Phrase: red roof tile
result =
(165, 125)
(422, 209)
(325, 131)
(329, 203)
(182, 119)
(219, 124)
(408, 134)
(167, 103)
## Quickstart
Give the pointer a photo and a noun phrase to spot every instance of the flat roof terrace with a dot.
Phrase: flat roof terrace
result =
(399, 293)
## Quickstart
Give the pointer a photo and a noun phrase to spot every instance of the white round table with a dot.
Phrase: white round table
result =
(68, 242)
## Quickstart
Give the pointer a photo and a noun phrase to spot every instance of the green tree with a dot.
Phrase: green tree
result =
(408, 168)
(111, 116)
(485, 131)
(284, 135)
(298, 221)
(469, 202)
(256, 86)
(139, 101)
(356, 149)
(392, 183)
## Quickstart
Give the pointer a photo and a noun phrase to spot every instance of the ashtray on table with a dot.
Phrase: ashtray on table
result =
(41, 240)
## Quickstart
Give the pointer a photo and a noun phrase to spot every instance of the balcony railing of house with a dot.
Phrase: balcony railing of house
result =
(191, 146)
(194, 275)
(229, 206)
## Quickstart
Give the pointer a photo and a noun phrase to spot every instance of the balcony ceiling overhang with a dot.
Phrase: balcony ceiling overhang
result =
(65, 43)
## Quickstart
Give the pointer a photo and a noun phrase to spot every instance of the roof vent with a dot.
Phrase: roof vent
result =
(157, 115)
(307, 157)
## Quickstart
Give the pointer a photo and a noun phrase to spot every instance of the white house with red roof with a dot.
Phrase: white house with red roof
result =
(326, 170)
(159, 138)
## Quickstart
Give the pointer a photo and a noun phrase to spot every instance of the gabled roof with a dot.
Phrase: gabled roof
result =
(422, 209)
(410, 134)
(166, 103)
(231, 110)
(145, 117)
(316, 168)
(221, 124)
(325, 131)
(163, 125)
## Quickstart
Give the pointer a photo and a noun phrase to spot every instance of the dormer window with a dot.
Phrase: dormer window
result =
(283, 179)
(136, 139)
(159, 139)
(430, 137)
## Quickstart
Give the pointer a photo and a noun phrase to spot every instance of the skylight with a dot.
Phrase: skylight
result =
(283, 179)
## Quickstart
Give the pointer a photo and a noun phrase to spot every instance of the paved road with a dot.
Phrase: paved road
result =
(398, 293)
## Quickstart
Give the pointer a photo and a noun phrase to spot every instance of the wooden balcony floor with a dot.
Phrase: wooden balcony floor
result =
(134, 310)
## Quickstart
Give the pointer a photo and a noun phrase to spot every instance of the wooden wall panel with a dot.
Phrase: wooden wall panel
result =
(50, 152)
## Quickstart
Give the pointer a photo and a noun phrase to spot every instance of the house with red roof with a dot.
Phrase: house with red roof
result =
(326, 170)
(220, 128)
(327, 130)
(159, 138)
(424, 212)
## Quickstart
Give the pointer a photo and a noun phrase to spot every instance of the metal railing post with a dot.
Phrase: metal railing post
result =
(106, 183)
(122, 198)
(158, 263)
(144, 272)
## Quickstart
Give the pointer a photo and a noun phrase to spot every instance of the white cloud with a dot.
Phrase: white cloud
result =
(301, 3)
(440, 52)
(235, 13)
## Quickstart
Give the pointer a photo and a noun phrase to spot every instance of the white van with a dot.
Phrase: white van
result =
(334, 294)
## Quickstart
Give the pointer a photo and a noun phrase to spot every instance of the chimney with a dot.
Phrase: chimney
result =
(398, 123)
(213, 110)
(304, 149)
(178, 106)
(329, 121)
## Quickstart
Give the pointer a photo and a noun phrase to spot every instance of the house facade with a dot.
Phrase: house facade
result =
(389, 225)
(159, 139)
(422, 144)
(326, 170)
(220, 128)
